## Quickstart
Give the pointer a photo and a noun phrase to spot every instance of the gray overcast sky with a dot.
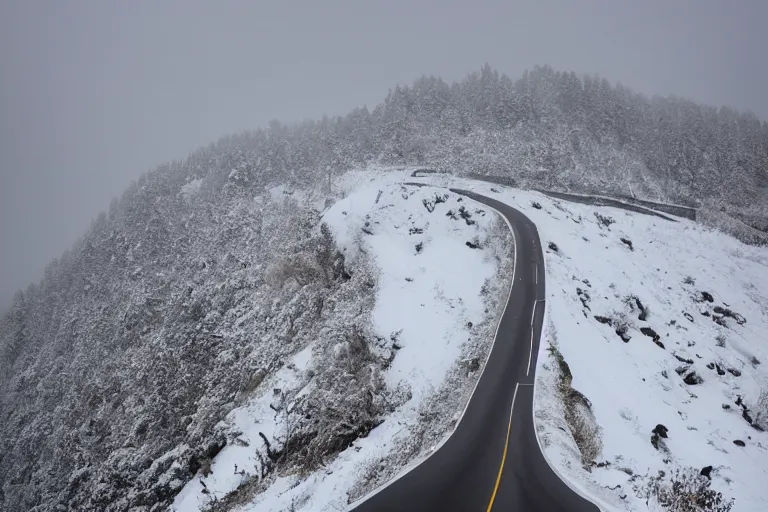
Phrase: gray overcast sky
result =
(93, 93)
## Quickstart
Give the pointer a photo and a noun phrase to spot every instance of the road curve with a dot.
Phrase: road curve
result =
(492, 461)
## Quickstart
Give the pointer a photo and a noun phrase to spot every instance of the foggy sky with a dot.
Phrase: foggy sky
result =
(94, 93)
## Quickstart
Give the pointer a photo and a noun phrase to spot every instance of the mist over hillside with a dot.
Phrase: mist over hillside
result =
(116, 367)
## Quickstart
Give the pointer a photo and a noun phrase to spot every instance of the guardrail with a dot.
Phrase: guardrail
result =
(621, 201)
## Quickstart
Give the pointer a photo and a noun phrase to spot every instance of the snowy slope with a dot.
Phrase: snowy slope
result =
(634, 386)
(690, 379)
(428, 303)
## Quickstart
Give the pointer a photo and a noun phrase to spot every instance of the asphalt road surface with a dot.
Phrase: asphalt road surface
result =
(492, 461)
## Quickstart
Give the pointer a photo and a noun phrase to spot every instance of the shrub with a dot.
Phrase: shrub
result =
(761, 409)
(685, 491)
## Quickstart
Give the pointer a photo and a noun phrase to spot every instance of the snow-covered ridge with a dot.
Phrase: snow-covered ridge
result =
(433, 252)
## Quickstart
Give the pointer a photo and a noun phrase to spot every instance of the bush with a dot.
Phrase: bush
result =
(685, 491)
(578, 413)
(720, 340)
(761, 409)
(604, 220)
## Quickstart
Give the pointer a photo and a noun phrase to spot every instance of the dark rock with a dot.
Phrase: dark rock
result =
(652, 334)
(474, 365)
(419, 247)
(744, 411)
(452, 215)
(604, 320)
(553, 246)
(659, 344)
(692, 378)
(429, 205)
(680, 370)
(726, 407)
(661, 430)
(622, 333)
(725, 312)
(688, 316)
(628, 243)
(705, 471)
(367, 231)
(706, 296)
(469, 325)
(643, 310)
(734, 372)
(415, 231)
(719, 320)
(719, 368)
(739, 442)
(711, 366)
(536, 205)
(683, 360)
(472, 245)
(705, 313)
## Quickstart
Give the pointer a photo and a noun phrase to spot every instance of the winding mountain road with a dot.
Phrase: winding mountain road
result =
(492, 461)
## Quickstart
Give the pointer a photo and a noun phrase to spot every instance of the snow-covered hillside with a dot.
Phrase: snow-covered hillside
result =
(434, 254)
(650, 371)
(659, 323)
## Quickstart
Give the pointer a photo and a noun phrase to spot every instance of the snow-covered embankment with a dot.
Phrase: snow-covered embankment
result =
(442, 265)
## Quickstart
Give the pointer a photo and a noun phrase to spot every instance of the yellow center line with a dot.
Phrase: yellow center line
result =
(504, 455)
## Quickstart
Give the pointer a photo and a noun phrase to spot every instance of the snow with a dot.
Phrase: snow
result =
(232, 465)
(192, 188)
(447, 276)
(624, 381)
(425, 299)
(428, 297)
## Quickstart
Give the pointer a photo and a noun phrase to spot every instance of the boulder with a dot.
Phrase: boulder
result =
(692, 378)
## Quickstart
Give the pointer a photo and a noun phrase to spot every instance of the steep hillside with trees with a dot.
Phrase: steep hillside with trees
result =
(132, 347)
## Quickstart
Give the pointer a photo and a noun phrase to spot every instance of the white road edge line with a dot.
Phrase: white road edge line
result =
(414, 464)
(530, 355)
